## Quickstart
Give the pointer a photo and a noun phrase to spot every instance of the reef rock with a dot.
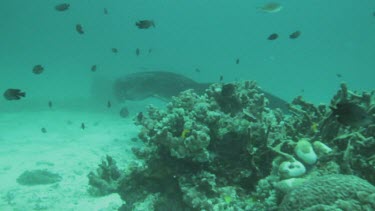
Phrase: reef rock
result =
(331, 192)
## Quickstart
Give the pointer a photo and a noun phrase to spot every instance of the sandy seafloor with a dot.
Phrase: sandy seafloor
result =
(65, 149)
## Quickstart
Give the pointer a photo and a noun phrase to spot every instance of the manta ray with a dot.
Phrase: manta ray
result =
(164, 85)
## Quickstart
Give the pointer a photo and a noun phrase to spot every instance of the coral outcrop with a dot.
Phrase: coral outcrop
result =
(331, 192)
(227, 150)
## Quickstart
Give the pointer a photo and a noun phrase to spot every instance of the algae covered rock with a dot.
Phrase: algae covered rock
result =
(38, 177)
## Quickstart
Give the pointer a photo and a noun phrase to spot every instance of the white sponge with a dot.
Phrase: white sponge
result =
(289, 169)
(305, 152)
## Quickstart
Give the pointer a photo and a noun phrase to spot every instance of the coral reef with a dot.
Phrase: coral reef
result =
(204, 152)
(352, 145)
(227, 150)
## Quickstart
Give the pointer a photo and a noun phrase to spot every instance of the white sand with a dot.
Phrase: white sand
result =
(65, 149)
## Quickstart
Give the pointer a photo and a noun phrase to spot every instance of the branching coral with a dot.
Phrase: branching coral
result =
(106, 178)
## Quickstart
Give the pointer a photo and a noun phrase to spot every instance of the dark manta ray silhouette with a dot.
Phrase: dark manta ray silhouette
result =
(163, 84)
(141, 85)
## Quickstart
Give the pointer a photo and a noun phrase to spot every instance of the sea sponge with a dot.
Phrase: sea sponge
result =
(321, 148)
(305, 152)
(288, 169)
(343, 192)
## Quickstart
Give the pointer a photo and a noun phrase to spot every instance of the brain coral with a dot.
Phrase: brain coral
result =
(340, 192)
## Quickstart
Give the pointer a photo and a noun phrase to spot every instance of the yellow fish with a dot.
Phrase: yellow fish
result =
(227, 199)
(184, 133)
(314, 127)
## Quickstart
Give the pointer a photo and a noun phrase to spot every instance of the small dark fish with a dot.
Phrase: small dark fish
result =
(295, 35)
(139, 116)
(44, 130)
(221, 78)
(105, 11)
(62, 7)
(197, 70)
(38, 69)
(134, 139)
(145, 24)
(137, 51)
(83, 126)
(351, 114)
(93, 68)
(50, 104)
(373, 14)
(338, 75)
(273, 36)
(149, 50)
(228, 90)
(124, 112)
(237, 61)
(114, 50)
(79, 29)
(109, 104)
(13, 94)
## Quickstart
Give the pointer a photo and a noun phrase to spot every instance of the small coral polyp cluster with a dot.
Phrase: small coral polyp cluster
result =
(227, 150)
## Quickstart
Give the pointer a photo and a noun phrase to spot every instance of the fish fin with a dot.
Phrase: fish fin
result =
(161, 98)
(333, 109)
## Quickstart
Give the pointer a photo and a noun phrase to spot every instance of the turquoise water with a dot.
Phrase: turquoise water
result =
(338, 37)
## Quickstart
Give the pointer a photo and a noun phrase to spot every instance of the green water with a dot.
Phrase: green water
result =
(338, 37)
